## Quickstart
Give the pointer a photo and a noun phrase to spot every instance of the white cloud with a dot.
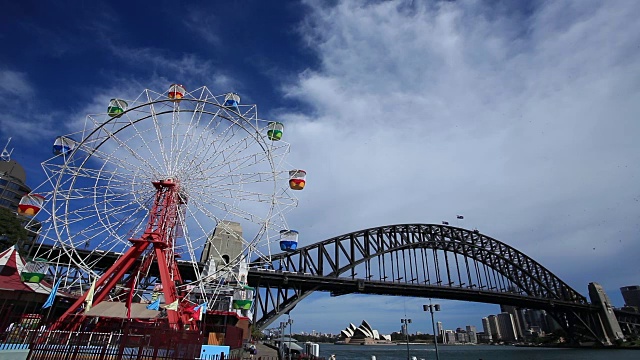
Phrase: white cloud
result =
(525, 124)
(204, 25)
(14, 83)
(21, 118)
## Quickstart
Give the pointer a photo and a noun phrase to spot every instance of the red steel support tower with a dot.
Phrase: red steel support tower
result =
(160, 234)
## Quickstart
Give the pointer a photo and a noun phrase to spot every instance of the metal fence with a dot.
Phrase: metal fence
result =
(129, 341)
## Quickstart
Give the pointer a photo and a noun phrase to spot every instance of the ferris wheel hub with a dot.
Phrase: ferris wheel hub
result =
(169, 182)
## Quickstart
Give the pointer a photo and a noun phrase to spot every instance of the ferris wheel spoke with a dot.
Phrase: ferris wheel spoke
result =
(207, 135)
(158, 139)
(185, 146)
(226, 169)
(241, 163)
(214, 151)
(113, 162)
(147, 143)
(200, 148)
(227, 138)
(227, 207)
(214, 174)
(111, 190)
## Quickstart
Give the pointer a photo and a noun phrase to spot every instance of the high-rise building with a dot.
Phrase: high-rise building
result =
(472, 332)
(471, 328)
(440, 330)
(450, 337)
(486, 328)
(404, 329)
(542, 320)
(518, 319)
(631, 296)
(483, 338)
(494, 328)
(507, 327)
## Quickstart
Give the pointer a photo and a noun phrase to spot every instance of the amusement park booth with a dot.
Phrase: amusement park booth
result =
(22, 291)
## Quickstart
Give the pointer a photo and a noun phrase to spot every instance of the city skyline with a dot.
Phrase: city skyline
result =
(520, 117)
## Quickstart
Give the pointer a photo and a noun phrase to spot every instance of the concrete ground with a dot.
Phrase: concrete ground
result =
(264, 352)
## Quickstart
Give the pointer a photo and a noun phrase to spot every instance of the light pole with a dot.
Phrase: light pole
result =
(405, 324)
(431, 308)
(290, 322)
(281, 347)
(283, 327)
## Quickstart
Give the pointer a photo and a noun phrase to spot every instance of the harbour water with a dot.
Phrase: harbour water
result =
(484, 352)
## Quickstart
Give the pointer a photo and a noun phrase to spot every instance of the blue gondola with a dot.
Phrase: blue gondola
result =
(63, 145)
(288, 240)
(232, 101)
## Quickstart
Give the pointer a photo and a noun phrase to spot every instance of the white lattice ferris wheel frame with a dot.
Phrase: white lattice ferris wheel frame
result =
(98, 194)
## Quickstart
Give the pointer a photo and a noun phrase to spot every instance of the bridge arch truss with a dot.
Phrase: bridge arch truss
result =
(419, 260)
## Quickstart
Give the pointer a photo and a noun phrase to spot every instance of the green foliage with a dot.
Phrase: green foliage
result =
(256, 334)
(316, 339)
(11, 229)
(400, 337)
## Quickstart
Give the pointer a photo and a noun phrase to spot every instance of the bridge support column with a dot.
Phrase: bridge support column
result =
(611, 330)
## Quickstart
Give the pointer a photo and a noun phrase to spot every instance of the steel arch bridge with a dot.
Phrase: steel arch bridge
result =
(419, 260)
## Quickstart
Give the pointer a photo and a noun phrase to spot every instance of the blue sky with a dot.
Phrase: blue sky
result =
(522, 119)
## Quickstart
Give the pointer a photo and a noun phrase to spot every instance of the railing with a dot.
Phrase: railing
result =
(130, 341)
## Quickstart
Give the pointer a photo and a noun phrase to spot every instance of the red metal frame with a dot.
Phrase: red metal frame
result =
(161, 234)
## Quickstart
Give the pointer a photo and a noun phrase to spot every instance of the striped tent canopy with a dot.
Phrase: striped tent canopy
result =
(11, 266)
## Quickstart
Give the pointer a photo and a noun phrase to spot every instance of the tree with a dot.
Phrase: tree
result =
(256, 334)
(12, 230)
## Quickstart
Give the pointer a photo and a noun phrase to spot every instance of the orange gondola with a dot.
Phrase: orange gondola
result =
(297, 179)
(176, 92)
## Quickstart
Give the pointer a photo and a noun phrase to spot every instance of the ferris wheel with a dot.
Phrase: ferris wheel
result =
(167, 168)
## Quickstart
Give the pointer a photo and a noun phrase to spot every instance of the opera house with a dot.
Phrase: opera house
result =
(362, 335)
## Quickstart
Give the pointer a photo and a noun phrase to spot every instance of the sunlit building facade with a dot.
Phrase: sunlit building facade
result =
(507, 327)
(12, 188)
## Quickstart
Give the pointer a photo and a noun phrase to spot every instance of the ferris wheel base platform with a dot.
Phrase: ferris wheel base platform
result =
(118, 310)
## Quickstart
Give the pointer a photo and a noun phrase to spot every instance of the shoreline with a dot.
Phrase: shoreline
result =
(568, 346)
